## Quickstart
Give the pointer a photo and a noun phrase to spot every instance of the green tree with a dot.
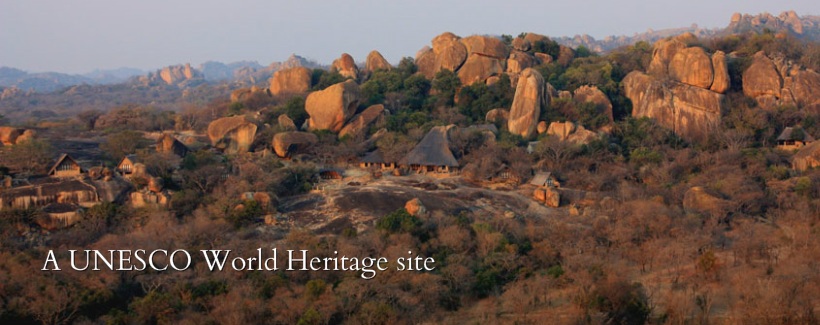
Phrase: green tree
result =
(123, 143)
(446, 83)
(30, 156)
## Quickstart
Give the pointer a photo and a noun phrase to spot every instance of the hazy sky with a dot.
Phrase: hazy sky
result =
(79, 36)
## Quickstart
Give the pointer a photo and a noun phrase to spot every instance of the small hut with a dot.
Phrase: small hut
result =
(544, 179)
(793, 138)
(65, 167)
(374, 159)
(128, 165)
(433, 153)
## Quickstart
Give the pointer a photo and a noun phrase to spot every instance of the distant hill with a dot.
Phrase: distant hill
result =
(805, 27)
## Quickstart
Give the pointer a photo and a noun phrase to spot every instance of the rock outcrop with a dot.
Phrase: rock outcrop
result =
(345, 66)
(591, 94)
(549, 196)
(232, 134)
(290, 81)
(776, 81)
(286, 123)
(358, 125)
(529, 98)
(10, 136)
(568, 131)
(473, 58)
(415, 207)
(243, 94)
(679, 89)
(375, 61)
(287, 143)
(499, 115)
(807, 157)
(330, 108)
(178, 74)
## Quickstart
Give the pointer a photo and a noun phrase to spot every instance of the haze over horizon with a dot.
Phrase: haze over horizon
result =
(79, 37)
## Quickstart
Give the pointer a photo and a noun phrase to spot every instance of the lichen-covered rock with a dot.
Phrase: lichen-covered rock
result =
(565, 55)
(330, 108)
(375, 61)
(359, 124)
(526, 107)
(9, 135)
(233, 134)
(562, 130)
(663, 52)
(345, 66)
(287, 143)
(294, 80)
(518, 61)
(521, 44)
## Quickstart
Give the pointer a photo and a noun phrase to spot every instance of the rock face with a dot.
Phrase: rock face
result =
(415, 207)
(449, 53)
(375, 61)
(286, 123)
(176, 74)
(680, 91)
(10, 136)
(358, 124)
(548, 195)
(243, 94)
(233, 134)
(777, 81)
(345, 66)
(330, 108)
(497, 115)
(517, 62)
(474, 58)
(568, 131)
(721, 83)
(693, 67)
(478, 68)
(591, 94)
(290, 81)
(807, 157)
(527, 103)
(542, 127)
(698, 200)
(287, 143)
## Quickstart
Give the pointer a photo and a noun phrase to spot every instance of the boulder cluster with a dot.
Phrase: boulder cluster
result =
(682, 89)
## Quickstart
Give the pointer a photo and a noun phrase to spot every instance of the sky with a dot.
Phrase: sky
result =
(80, 36)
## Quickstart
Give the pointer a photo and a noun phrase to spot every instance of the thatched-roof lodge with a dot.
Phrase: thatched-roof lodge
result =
(65, 167)
(374, 159)
(544, 179)
(433, 153)
(793, 138)
(128, 165)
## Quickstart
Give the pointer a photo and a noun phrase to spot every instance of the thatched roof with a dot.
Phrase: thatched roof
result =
(541, 178)
(433, 150)
(373, 157)
(789, 134)
(64, 157)
(132, 158)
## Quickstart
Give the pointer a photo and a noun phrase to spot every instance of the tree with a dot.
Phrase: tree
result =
(123, 143)
(89, 118)
(28, 156)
